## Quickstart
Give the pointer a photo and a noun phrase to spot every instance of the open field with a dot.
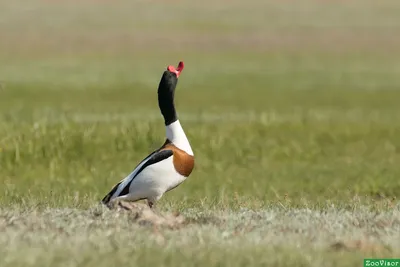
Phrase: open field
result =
(292, 109)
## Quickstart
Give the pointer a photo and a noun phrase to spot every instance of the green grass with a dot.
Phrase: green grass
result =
(291, 108)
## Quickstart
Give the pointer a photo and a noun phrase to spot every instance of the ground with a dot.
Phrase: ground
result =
(292, 110)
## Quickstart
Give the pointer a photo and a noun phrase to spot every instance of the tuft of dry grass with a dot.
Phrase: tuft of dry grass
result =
(143, 215)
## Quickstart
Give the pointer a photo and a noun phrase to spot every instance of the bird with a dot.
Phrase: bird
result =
(165, 168)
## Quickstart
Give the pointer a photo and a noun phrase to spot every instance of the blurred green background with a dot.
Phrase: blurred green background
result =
(293, 100)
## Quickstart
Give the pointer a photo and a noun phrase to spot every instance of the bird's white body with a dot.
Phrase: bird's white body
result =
(156, 179)
(153, 182)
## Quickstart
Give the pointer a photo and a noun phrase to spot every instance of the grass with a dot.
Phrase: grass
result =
(291, 109)
(273, 236)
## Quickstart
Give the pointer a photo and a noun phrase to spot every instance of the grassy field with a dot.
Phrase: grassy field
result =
(292, 109)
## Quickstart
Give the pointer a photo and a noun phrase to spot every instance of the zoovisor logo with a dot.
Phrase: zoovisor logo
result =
(381, 262)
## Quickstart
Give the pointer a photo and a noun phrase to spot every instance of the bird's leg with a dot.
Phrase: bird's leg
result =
(116, 202)
(153, 207)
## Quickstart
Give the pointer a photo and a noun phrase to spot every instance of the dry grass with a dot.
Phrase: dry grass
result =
(71, 237)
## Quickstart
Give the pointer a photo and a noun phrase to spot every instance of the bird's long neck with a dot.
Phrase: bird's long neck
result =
(166, 94)
(167, 106)
(174, 130)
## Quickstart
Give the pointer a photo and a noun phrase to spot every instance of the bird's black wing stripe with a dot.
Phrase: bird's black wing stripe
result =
(156, 157)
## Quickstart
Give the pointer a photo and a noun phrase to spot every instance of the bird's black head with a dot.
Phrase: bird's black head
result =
(166, 92)
(168, 83)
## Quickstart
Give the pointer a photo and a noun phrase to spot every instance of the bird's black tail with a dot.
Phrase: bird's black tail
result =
(107, 198)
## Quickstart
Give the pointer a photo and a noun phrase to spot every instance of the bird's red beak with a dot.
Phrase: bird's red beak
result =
(177, 70)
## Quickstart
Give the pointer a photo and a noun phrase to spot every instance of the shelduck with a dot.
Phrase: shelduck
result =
(167, 167)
